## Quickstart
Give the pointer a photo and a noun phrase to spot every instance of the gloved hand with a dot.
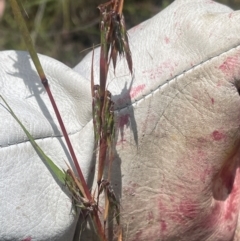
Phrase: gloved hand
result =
(175, 168)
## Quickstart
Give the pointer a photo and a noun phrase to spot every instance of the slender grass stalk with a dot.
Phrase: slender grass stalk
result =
(114, 41)
(24, 31)
(16, 7)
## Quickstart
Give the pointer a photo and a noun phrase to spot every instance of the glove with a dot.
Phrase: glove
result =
(175, 168)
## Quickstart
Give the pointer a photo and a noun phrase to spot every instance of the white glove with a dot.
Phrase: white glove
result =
(177, 154)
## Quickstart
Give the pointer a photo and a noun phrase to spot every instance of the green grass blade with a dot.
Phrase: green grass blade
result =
(59, 174)
(17, 7)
